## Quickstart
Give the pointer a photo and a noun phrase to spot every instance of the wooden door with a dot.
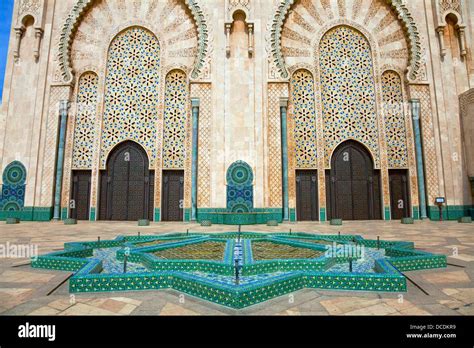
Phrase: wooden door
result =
(173, 195)
(126, 190)
(399, 197)
(81, 189)
(354, 185)
(307, 195)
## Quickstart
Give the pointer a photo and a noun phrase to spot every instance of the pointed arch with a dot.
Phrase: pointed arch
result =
(132, 91)
(349, 107)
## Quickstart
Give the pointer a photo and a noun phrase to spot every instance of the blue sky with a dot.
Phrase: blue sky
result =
(6, 10)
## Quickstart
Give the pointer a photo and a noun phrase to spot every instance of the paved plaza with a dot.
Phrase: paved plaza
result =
(450, 291)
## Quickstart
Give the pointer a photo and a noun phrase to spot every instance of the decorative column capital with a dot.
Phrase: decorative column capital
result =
(39, 32)
(64, 106)
(195, 102)
(415, 109)
(19, 31)
(284, 102)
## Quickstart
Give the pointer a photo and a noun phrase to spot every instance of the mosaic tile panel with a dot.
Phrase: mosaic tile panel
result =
(269, 251)
(49, 151)
(348, 90)
(395, 130)
(204, 93)
(12, 195)
(84, 131)
(132, 92)
(201, 251)
(174, 132)
(304, 113)
(422, 92)
(275, 92)
(240, 188)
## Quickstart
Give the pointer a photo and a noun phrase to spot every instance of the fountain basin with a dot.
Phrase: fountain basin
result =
(268, 265)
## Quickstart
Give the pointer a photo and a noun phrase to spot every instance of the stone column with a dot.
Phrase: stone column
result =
(442, 47)
(228, 28)
(63, 114)
(284, 156)
(18, 35)
(462, 40)
(415, 114)
(251, 38)
(195, 102)
(38, 36)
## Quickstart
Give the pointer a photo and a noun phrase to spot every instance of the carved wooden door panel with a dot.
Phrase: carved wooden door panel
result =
(354, 185)
(126, 190)
(173, 195)
(399, 197)
(307, 195)
(81, 188)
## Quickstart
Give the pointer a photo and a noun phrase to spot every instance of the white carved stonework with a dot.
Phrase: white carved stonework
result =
(29, 6)
(447, 5)
(327, 71)
(233, 4)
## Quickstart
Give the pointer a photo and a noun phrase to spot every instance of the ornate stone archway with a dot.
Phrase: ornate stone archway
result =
(284, 6)
(80, 9)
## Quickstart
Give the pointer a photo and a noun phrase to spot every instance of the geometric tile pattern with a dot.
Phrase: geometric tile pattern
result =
(275, 92)
(57, 94)
(209, 273)
(174, 137)
(204, 93)
(395, 130)
(240, 188)
(12, 195)
(84, 131)
(422, 92)
(348, 90)
(302, 92)
(132, 92)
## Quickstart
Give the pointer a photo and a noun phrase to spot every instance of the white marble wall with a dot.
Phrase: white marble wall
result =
(239, 100)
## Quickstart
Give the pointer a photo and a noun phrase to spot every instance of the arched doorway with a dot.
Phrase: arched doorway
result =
(127, 186)
(353, 184)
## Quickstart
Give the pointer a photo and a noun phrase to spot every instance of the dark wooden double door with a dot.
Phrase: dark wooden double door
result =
(127, 186)
(353, 186)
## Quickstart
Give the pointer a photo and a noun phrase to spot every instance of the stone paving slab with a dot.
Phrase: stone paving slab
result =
(23, 290)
